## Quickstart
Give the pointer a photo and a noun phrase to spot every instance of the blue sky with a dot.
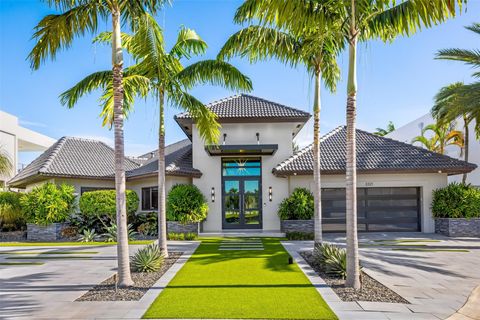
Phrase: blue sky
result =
(396, 81)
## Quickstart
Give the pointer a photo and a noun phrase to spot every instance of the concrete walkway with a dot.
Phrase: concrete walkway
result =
(436, 284)
(49, 291)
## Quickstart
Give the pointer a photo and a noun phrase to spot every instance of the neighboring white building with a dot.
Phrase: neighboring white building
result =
(15, 138)
(414, 128)
(253, 168)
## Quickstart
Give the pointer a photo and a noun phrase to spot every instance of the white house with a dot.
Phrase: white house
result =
(414, 128)
(254, 168)
(15, 138)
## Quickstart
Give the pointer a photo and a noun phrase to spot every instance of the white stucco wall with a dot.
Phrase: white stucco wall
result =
(412, 129)
(210, 166)
(427, 183)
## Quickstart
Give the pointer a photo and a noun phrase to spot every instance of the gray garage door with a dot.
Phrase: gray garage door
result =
(379, 209)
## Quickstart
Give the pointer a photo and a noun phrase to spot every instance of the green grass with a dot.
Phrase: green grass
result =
(431, 250)
(21, 263)
(71, 243)
(240, 284)
(49, 252)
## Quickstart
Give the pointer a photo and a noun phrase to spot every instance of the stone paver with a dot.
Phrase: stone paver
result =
(49, 291)
(435, 283)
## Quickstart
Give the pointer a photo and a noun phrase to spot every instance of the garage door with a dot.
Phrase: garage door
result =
(378, 209)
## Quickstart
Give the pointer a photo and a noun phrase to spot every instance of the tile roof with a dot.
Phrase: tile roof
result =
(245, 106)
(375, 154)
(178, 161)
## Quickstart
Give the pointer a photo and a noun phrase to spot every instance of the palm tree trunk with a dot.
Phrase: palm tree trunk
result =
(317, 190)
(162, 217)
(353, 269)
(124, 277)
(466, 144)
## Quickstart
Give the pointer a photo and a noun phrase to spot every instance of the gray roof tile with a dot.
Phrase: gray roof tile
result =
(375, 154)
(246, 106)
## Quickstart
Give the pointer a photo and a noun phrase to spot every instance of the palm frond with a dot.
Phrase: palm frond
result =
(106, 38)
(475, 27)
(470, 57)
(5, 162)
(214, 72)
(94, 81)
(188, 43)
(57, 31)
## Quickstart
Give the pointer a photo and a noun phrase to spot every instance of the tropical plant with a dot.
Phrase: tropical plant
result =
(147, 223)
(5, 163)
(457, 200)
(88, 236)
(148, 259)
(314, 46)
(186, 204)
(56, 32)
(111, 232)
(161, 74)
(11, 218)
(332, 259)
(48, 203)
(383, 132)
(443, 135)
(298, 206)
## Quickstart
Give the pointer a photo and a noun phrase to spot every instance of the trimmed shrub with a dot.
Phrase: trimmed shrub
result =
(48, 203)
(102, 203)
(148, 259)
(12, 217)
(186, 204)
(331, 259)
(182, 236)
(298, 235)
(456, 200)
(298, 206)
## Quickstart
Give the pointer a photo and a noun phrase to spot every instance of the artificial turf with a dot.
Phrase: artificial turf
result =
(70, 244)
(248, 284)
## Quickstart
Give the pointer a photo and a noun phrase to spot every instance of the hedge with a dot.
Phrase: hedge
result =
(186, 204)
(457, 200)
(103, 202)
(298, 206)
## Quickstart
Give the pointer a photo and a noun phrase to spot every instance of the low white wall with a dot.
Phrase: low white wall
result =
(427, 183)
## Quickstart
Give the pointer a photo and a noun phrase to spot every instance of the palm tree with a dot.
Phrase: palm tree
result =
(57, 31)
(383, 132)
(5, 163)
(160, 73)
(449, 106)
(443, 136)
(316, 47)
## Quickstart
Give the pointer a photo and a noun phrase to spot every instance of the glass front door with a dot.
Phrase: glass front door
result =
(241, 194)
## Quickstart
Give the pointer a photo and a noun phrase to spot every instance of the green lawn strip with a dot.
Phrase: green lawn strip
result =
(21, 263)
(240, 284)
(430, 250)
(51, 257)
(49, 252)
(72, 243)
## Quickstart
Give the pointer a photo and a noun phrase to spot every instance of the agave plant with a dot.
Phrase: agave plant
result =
(88, 235)
(148, 259)
(332, 259)
(111, 232)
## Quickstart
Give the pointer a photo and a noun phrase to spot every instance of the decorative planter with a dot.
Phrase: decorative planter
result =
(306, 226)
(458, 227)
(51, 232)
(177, 227)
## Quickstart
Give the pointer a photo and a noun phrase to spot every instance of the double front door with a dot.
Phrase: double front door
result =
(241, 195)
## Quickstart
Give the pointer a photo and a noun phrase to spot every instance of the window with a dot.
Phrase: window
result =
(89, 189)
(241, 167)
(150, 198)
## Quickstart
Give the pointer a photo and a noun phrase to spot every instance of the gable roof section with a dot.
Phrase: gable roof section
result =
(375, 154)
(73, 158)
(178, 162)
(246, 107)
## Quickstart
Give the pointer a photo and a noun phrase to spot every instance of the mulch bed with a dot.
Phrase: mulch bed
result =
(105, 291)
(371, 290)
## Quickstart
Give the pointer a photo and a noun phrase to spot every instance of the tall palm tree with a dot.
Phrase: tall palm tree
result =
(160, 73)
(56, 32)
(315, 47)
(383, 132)
(450, 105)
(443, 135)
